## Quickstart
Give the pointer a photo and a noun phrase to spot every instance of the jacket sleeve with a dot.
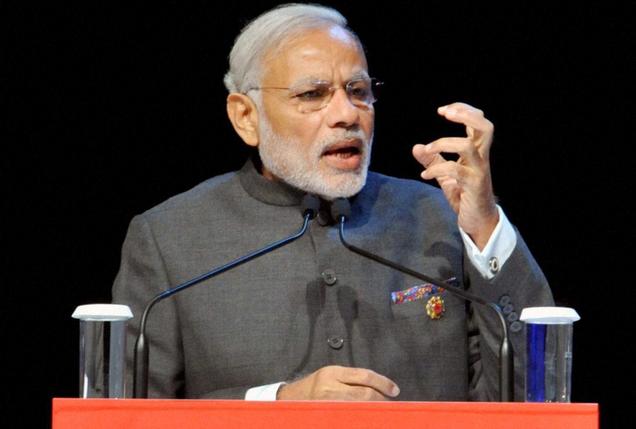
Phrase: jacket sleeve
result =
(142, 275)
(518, 284)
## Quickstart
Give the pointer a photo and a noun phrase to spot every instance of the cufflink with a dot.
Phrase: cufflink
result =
(493, 264)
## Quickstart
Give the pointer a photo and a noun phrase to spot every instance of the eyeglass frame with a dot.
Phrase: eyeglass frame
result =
(373, 83)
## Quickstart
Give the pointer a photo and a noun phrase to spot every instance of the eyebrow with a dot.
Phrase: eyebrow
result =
(363, 74)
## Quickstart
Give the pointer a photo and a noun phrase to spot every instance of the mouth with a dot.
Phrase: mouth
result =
(344, 155)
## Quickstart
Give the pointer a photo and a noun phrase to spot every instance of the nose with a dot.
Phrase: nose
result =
(341, 113)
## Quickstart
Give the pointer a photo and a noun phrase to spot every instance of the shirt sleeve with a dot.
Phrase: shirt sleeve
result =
(263, 393)
(498, 249)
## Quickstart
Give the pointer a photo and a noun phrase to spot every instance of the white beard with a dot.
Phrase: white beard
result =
(286, 160)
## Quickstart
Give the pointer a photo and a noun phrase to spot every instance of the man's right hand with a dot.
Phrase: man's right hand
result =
(341, 384)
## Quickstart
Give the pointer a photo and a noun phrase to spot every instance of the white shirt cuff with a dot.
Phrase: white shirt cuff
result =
(263, 393)
(497, 251)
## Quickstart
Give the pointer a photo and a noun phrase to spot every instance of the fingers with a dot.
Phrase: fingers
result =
(341, 383)
(424, 157)
(468, 115)
(446, 170)
(479, 130)
(436, 167)
(360, 393)
(473, 150)
(462, 146)
(367, 378)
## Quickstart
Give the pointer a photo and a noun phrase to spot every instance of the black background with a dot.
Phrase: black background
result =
(111, 109)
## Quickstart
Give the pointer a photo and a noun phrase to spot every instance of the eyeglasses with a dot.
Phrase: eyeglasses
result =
(315, 95)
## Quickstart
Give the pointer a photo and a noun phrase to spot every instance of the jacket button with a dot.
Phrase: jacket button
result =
(508, 308)
(335, 343)
(329, 277)
(516, 326)
(504, 300)
(323, 218)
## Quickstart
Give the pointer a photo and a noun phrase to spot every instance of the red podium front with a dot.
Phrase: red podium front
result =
(195, 414)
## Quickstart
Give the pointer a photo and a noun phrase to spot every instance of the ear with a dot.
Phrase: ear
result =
(244, 117)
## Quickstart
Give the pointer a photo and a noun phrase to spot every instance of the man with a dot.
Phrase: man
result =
(312, 320)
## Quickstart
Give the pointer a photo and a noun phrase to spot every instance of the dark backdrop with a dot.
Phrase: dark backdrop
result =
(114, 108)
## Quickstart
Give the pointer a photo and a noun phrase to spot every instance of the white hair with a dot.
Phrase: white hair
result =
(269, 31)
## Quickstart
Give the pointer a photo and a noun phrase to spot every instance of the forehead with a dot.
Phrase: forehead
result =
(329, 53)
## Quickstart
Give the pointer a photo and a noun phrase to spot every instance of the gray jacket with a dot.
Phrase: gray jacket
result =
(314, 303)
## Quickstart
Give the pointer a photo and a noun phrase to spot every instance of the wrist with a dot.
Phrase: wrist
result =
(280, 393)
(484, 230)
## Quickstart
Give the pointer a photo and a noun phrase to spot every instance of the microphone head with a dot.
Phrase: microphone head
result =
(340, 207)
(310, 205)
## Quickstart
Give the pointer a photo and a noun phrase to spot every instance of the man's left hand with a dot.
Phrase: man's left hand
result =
(466, 182)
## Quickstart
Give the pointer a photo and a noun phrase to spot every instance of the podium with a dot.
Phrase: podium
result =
(209, 414)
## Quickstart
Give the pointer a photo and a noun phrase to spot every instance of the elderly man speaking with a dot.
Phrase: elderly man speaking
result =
(312, 320)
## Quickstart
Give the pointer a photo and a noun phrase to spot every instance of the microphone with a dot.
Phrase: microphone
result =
(341, 211)
(309, 209)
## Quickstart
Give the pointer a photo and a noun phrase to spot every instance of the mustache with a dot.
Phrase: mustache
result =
(341, 135)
